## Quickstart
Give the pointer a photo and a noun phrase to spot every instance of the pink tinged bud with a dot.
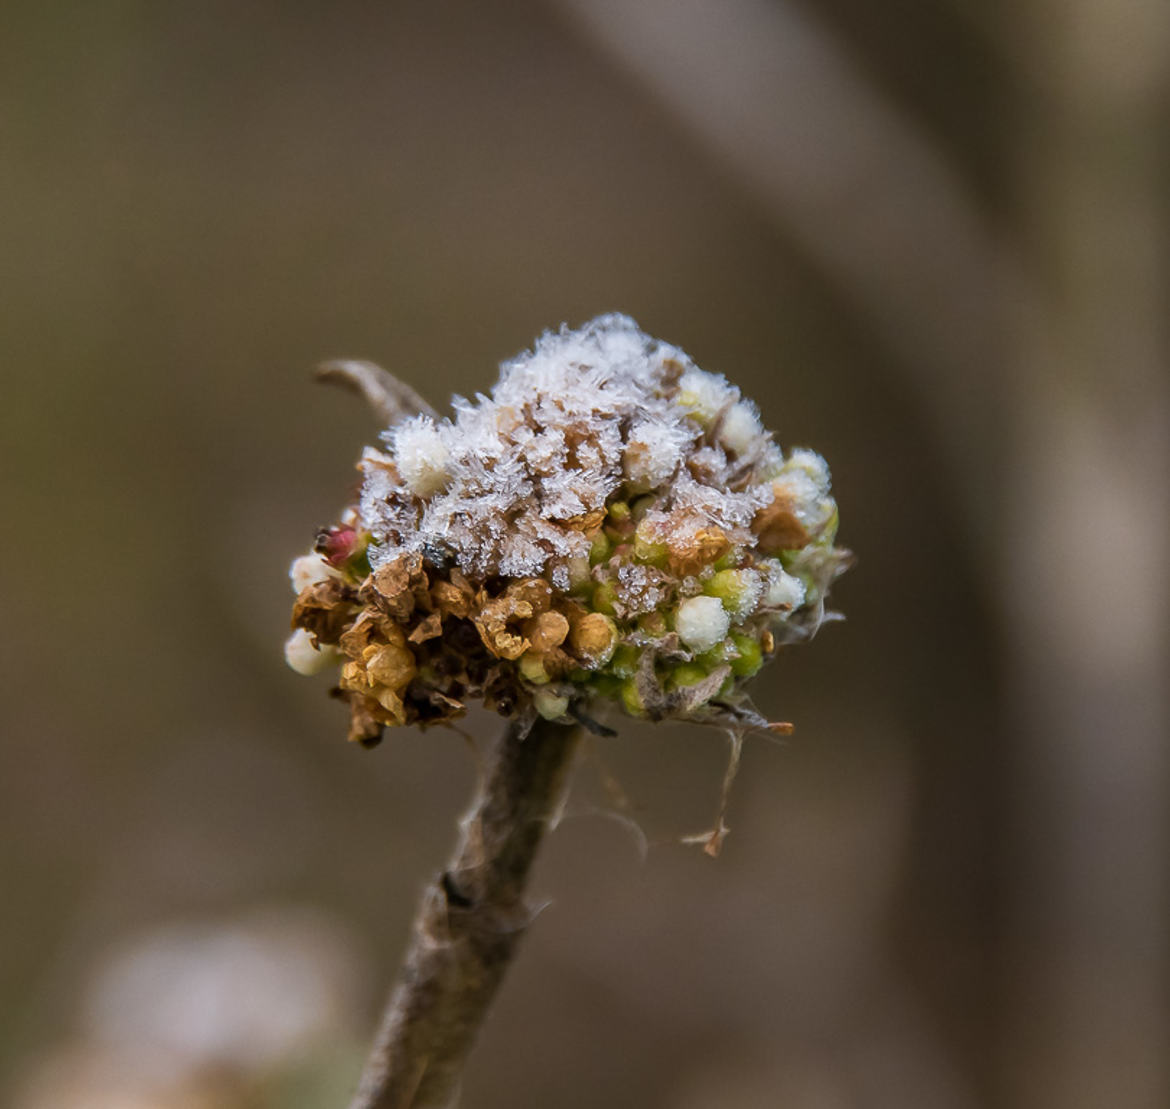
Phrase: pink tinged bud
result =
(337, 545)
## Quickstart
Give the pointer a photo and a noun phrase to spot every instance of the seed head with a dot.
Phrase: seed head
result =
(612, 525)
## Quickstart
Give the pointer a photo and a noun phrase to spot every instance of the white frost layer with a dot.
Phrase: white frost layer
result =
(504, 485)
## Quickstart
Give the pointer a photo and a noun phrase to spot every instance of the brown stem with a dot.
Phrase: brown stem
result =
(468, 925)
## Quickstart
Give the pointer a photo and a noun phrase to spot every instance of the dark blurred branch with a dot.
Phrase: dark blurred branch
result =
(468, 926)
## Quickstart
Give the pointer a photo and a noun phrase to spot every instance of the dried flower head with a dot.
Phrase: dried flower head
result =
(611, 525)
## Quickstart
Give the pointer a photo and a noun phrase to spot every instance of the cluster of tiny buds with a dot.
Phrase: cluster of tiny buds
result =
(611, 526)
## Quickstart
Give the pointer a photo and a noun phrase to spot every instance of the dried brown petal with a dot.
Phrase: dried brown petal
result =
(452, 599)
(698, 549)
(390, 666)
(691, 697)
(364, 727)
(353, 677)
(536, 593)
(592, 638)
(427, 628)
(503, 644)
(558, 663)
(324, 608)
(392, 705)
(398, 585)
(776, 525)
(586, 522)
(546, 631)
(369, 627)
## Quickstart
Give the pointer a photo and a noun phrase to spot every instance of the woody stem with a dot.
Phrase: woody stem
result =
(468, 925)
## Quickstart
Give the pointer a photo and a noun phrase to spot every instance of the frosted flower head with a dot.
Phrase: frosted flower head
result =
(610, 525)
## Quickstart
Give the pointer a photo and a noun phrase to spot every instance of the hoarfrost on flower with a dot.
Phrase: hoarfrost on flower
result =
(610, 524)
(565, 426)
(421, 455)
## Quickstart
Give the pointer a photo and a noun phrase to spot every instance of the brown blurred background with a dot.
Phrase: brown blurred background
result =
(929, 238)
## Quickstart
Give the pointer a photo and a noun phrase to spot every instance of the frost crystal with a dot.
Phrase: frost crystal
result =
(610, 523)
(504, 485)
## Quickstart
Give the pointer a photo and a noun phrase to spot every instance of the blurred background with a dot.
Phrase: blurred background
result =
(930, 238)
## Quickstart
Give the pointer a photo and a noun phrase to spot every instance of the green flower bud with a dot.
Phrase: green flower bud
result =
(632, 699)
(619, 512)
(550, 703)
(604, 598)
(685, 674)
(729, 561)
(739, 590)
(580, 582)
(751, 655)
(649, 551)
(625, 661)
(532, 669)
(600, 549)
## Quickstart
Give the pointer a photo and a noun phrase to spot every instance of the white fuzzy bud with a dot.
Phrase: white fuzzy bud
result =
(309, 570)
(784, 591)
(306, 659)
(740, 429)
(704, 395)
(806, 477)
(422, 456)
(653, 452)
(702, 622)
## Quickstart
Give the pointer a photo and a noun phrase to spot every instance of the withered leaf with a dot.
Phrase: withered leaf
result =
(427, 628)
(398, 586)
(363, 726)
(324, 608)
(699, 549)
(776, 525)
(389, 665)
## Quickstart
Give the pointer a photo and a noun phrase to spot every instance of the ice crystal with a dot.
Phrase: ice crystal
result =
(500, 485)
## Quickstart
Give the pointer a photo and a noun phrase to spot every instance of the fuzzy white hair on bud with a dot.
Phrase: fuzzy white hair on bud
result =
(784, 591)
(705, 395)
(421, 455)
(806, 478)
(702, 622)
(305, 658)
(310, 569)
(654, 450)
(740, 429)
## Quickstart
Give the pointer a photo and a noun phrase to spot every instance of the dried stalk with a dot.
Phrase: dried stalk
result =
(390, 399)
(468, 925)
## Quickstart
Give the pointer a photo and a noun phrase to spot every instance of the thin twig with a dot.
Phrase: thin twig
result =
(391, 399)
(468, 925)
